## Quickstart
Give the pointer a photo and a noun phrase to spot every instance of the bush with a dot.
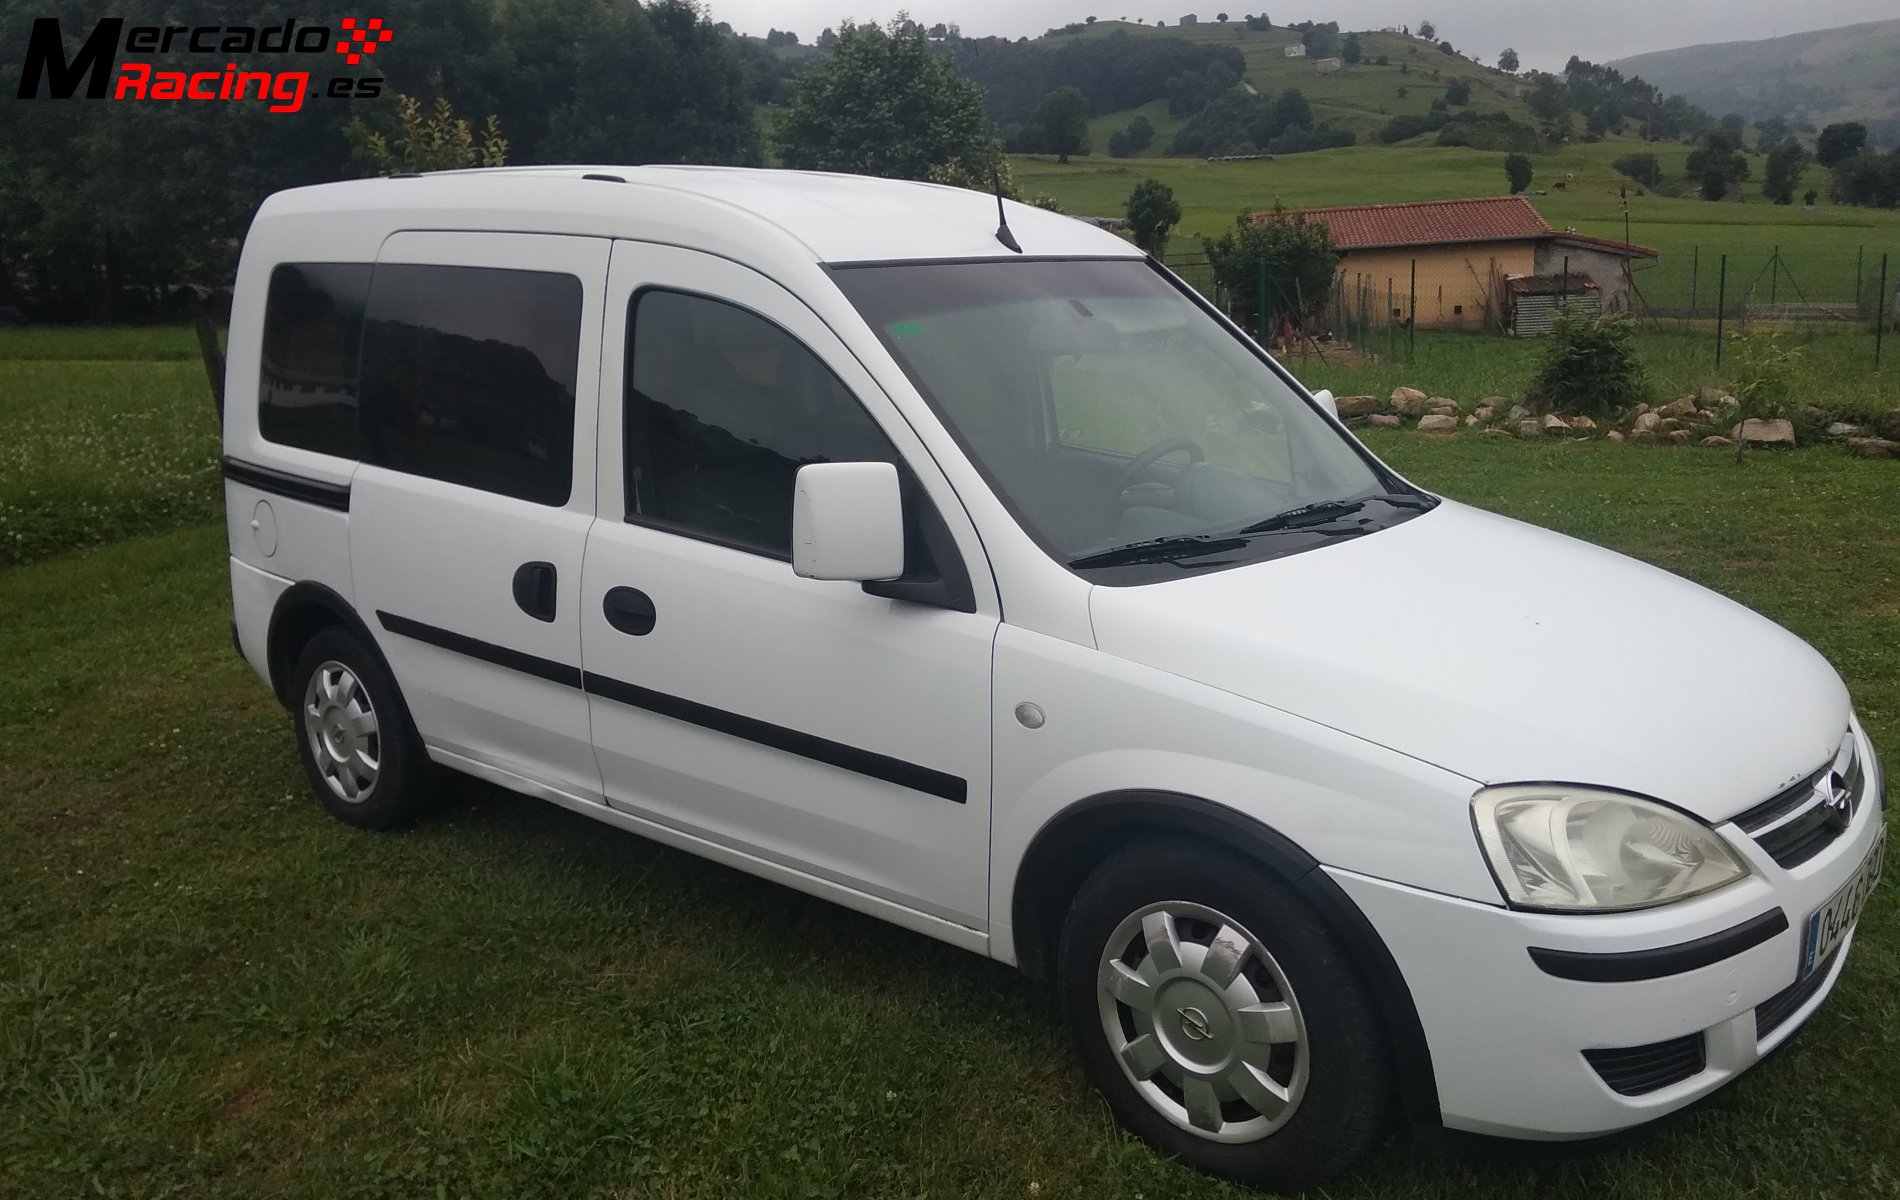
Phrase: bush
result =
(1764, 374)
(1517, 171)
(1643, 168)
(1590, 365)
(1296, 255)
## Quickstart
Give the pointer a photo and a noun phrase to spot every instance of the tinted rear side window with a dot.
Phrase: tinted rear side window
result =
(313, 333)
(468, 377)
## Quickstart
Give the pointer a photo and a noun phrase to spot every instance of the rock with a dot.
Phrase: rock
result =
(1643, 408)
(1870, 447)
(1670, 424)
(1494, 403)
(1582, 424)
(1889, 427)
(1809, 414)
(1385, 419)
(1615, 435)
(1519, 413)
(1438, 423)
(1495, 432)
(1529, 429)
(1485, 413)
(1472, 419)
(1357, 406)
(1555, 424)
(1841, 429)
(1682, 406)
(1757, 432)
(1447, 409)
(1717, 398)
(1646, 422)
(1680, 437)
(1409, 401)
(1716, 440)
(1644, 437)
(1703, 416)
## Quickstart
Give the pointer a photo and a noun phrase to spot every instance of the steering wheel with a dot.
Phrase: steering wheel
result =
(1148, 458)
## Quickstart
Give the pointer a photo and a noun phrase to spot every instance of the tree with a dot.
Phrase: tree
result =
(1517, 170)
(1152, 214)
(1127, 143)
(1783, 171)
(1717, 164)
(1428, 31)
(1643, 168)
(1064, 118)
(1290, 109)
(1839, 141)
(1507, 61)
(1294, 256)
(1089, 21)
(438, 141)
(1446, 48)
(1869, 179)
(883, 103)
(1351, 52)
(775, 38)
(1808, 197)
(1735, 125)
(1459, 92)
(1221, 17)
(1772, 131)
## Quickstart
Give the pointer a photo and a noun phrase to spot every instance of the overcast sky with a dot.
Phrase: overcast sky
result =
(1545, 32)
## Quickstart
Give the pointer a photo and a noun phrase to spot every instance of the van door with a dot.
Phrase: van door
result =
(812, 724)
(469, 514)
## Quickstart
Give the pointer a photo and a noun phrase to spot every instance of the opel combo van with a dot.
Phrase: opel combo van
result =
(987, 580)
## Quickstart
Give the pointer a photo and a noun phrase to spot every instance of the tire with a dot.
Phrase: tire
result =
(358, 748)
(1246, 1044)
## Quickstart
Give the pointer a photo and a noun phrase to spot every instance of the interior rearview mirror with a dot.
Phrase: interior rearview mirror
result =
(848, 522)
(1324, 398)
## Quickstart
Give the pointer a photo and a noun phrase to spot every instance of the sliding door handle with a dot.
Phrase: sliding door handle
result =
(535, 589)
(629, 610)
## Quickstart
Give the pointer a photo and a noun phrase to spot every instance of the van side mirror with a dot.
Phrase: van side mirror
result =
(1324, 398)
(848, 522)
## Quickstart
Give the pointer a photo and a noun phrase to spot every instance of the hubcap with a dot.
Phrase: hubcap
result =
(1202, 1021)
(341, 727)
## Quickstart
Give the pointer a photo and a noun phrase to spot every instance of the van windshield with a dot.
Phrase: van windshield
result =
(1133, 435)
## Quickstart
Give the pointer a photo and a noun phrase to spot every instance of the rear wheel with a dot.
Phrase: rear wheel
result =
(353, 734)
(1220, 1019)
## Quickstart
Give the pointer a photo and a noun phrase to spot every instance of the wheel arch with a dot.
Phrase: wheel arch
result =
(304, 610)
(1075, 841)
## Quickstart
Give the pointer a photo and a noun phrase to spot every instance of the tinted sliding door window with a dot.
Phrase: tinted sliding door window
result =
(722, 408)
(468, 377)
(313, 334)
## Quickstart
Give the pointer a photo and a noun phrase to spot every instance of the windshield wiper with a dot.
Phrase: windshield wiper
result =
(1329, 510)
(1166, 549)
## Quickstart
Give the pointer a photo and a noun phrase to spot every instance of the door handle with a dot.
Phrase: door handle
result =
(629, 610)
(534, 589)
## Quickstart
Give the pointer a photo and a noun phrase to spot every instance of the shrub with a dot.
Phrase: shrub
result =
(1764, 373)
(1517, 171)
(1589, 366)
(1643, 168)
(1296, 255)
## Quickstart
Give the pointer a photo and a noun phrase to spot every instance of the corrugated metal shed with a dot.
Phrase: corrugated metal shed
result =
(1536, 298)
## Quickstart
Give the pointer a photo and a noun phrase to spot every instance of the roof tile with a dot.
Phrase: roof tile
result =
(1432, 222)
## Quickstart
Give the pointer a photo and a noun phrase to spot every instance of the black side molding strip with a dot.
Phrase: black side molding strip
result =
(283, 483)
(501, 656)
(1628, 966)
(792, 741)
(778, 737)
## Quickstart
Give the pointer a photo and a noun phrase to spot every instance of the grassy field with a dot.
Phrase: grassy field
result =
(208, 988)
(103, 433)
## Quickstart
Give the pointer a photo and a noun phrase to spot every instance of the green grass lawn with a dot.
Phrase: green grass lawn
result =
(208, 988)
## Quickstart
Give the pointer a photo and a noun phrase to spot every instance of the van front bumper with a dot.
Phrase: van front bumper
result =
(1520, 1051)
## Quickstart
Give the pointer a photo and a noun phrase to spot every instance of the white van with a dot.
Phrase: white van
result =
(990, 582)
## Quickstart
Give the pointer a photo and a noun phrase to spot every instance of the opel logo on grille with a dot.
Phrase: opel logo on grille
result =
(1194, 1024)
(1836, 797)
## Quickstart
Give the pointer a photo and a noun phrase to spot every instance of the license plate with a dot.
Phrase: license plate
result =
(1830, 924)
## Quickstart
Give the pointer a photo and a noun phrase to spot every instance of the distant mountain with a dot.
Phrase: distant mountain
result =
(1850, 73)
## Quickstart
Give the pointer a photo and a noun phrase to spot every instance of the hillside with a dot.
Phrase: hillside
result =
(1850, 73)
(1360, 97)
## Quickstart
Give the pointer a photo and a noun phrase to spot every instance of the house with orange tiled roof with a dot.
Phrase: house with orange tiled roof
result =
(1447, 264)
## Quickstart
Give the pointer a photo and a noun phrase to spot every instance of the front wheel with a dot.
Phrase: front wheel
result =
(1219, 1017)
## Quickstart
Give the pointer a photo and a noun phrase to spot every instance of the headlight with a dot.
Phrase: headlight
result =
(1573, 849)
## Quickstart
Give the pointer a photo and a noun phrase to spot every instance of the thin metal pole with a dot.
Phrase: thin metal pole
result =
(1263, 303)
(1774, 275)
(1859, 253)
(1563, 284)
(1721, 301)
(1880, 312)
(1695, 270)
(1411, 335)
(1391, 323)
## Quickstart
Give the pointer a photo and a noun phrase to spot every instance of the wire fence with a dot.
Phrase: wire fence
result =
(1377, 306)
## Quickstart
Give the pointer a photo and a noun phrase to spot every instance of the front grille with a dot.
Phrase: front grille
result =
(1797, 824)
(1774, 1012)
(1639, 1070)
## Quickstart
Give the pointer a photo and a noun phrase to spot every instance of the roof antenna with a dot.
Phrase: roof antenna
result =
(1003, 234)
